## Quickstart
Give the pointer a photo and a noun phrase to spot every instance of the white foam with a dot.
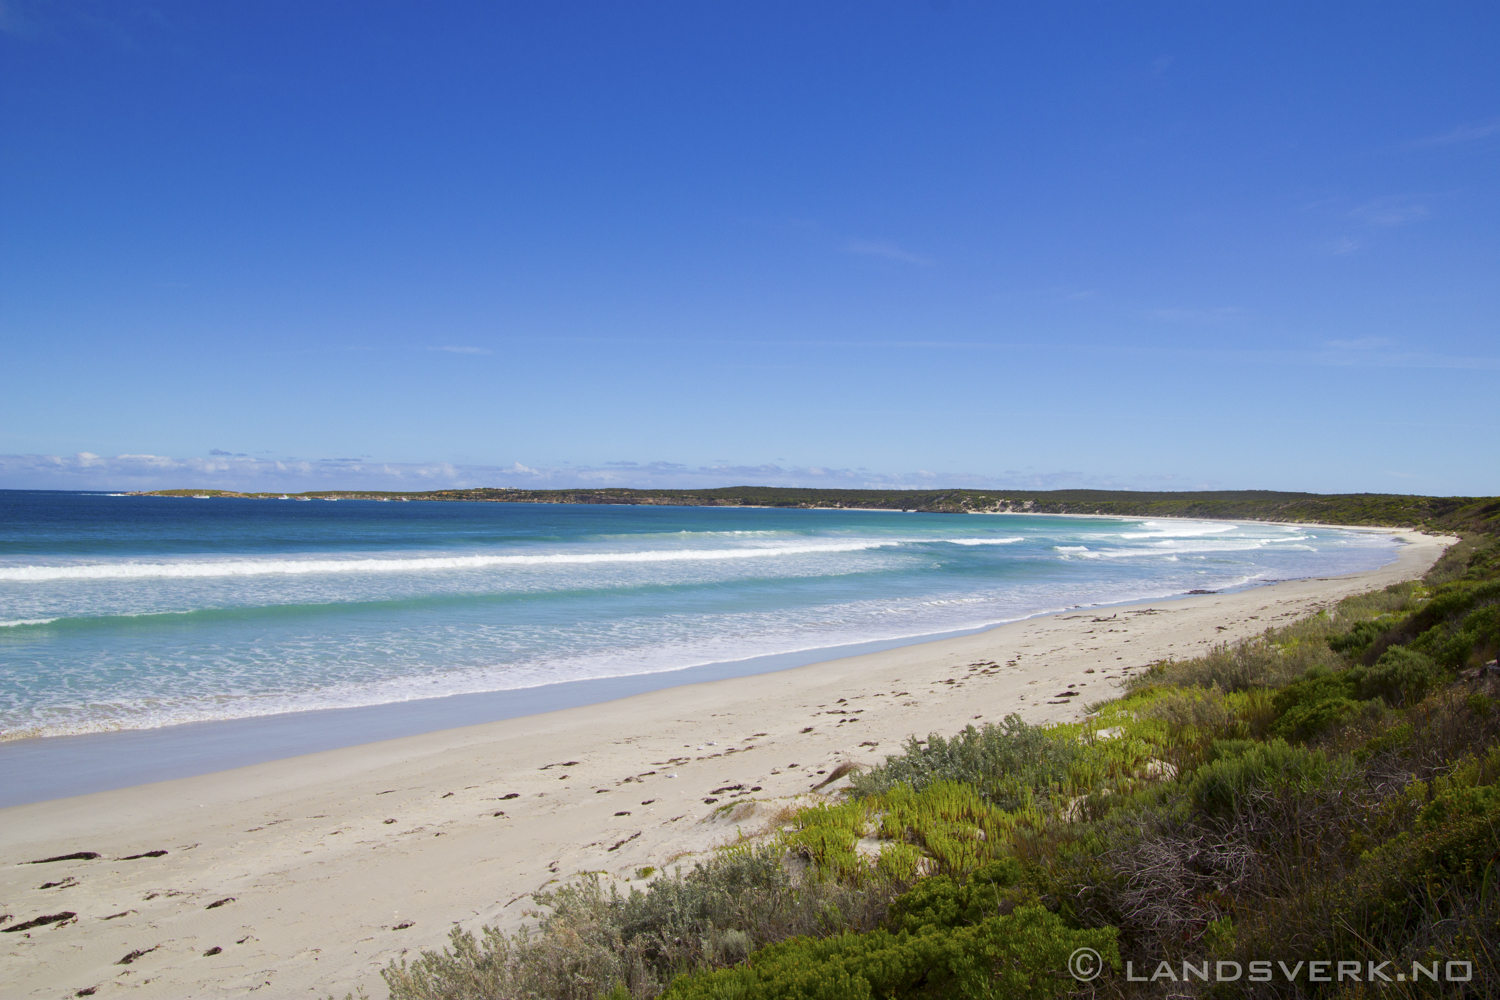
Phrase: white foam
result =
(982, 541)
(1183, 529)
(302, 567)
(27, 621)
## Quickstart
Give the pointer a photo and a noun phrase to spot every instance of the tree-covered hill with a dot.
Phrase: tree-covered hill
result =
(1444, 513)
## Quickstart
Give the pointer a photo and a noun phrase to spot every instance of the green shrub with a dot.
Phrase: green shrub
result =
(942, 901)
(1360, 638)
(596, 939)
(1319, 701)
(1220, 788)
(1459, 803)
(1229, 749)
(952, 823)
(1425, 873)
(1024, 953)
(1401, 676)
(1010, 764)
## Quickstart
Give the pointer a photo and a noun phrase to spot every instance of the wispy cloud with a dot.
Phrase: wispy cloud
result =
(88, 471)
(1389, 212)
(1463, 133)
(1362, 344)
(463, 350)
(884, 249)
(1218, 314)
(1343, 245)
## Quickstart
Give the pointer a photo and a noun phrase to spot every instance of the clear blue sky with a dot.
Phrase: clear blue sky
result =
(1142, 245)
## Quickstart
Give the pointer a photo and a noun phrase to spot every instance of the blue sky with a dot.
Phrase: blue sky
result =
(1147, 245)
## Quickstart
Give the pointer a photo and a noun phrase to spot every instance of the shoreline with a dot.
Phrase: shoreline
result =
(334, 863)
(60, 765)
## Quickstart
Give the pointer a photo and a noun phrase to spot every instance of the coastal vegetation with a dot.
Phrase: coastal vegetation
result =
(1328, 791)
(1453, 514)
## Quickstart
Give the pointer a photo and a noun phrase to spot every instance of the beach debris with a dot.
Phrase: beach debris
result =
(210, 953)
(87, 991)
(671, 775)
(147, 854)
(808, 729)
(219, 902)
(51, 918)
(136, 954)
(847, 767)
(403, 925)
(621, 843)
(386, 792)
(710, 801)
(122, 913)
(623, 812)
(388, 822)
(446, 795)
(566, 763)
(76, 856)
(66, 883)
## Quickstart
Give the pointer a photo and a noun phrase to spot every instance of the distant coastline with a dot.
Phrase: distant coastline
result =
(1352, 509)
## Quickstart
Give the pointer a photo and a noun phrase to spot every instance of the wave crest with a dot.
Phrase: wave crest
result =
(301, 567)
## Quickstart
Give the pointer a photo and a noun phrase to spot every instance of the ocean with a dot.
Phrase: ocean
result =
(135, 613)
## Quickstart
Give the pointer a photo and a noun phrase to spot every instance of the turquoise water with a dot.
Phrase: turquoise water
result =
(137, 612)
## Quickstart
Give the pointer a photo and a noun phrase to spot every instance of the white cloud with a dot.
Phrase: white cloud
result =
(1217, 314)
(1463, 133)
(884, 249)
(1389, 212)
(1362, 344)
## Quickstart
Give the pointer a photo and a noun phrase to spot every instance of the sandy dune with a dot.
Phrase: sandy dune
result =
(303, 877)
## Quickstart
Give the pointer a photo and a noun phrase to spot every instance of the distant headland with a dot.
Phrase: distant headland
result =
(1375, 509)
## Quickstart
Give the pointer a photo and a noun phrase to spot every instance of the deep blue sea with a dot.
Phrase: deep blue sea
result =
(124, 612)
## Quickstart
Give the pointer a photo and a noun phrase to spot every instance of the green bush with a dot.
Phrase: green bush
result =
(1459, 803)
(1022, 954)
(1010, 764)
(941, 901)
(1401, 676)
(596, 939)
(1221, 788)
(1463, 642)
(1319, 701)
(1360, 638)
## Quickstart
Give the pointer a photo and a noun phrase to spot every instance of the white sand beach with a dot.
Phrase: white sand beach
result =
(305, 876)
